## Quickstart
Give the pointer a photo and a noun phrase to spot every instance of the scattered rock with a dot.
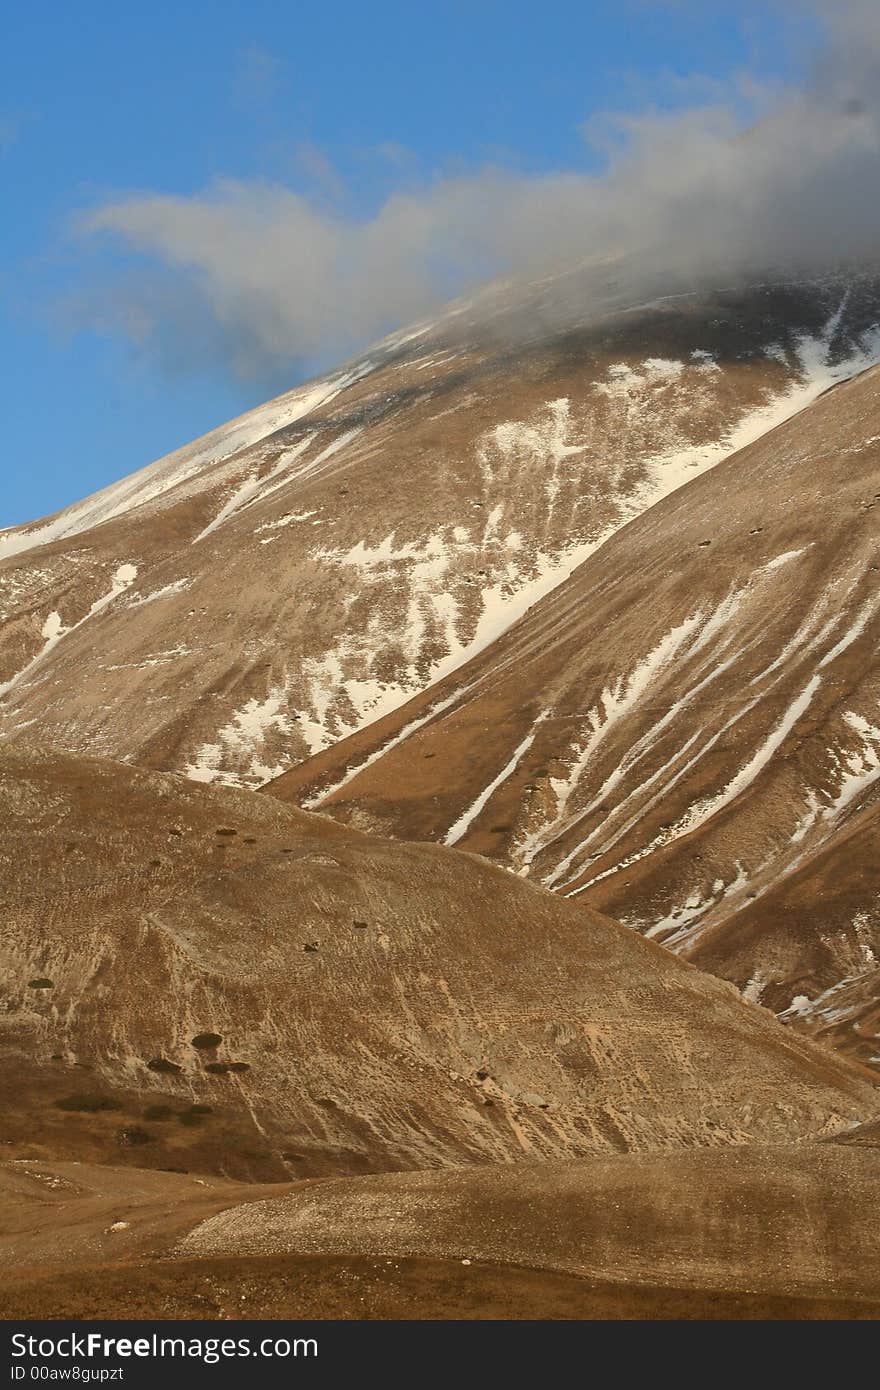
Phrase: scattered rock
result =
(311, 946)
(41, 983)
(206, 1040)
(162, 1065)
(118, 1226)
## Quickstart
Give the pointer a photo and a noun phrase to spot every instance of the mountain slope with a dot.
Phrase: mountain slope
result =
(296, 575)
(344, 1004)
(684, 730)
(826, 903)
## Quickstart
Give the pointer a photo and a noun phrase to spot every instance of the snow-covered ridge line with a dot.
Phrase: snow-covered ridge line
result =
(156, 479)
(816, 370)
(675, 468)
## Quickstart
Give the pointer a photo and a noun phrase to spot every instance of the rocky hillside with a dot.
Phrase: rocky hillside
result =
(202, 977)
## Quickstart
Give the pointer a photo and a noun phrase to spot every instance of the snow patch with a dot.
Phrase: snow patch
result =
(242, 739)
(53, 630)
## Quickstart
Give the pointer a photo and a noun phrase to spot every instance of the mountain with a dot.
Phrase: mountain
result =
(419, 798)
(560, 578)
(302, 572)
(685, 733)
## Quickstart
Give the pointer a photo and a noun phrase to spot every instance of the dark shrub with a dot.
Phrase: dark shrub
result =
(130, 1137)
(161, 1064)
(158, 1112)
(88, 1103)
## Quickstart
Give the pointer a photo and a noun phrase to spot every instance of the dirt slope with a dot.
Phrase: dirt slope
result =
(726, 1233)
(344, 1004)
(776, 1220)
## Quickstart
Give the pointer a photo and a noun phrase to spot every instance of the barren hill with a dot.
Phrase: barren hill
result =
(202, 977)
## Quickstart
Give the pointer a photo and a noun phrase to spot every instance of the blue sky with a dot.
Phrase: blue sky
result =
(343, 104)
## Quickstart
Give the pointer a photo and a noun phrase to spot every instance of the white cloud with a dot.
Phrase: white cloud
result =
(269, 276)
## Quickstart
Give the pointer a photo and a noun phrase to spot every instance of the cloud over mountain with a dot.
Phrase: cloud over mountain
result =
(264, 276)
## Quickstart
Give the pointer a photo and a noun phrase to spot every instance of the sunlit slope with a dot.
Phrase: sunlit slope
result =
(307, 569)
(688, 724)
(202, 977)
